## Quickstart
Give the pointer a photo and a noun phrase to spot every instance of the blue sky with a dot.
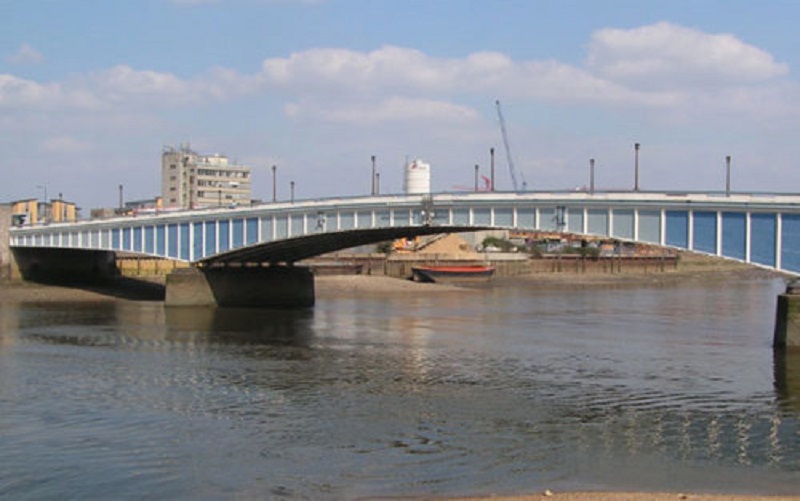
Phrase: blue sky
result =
(90, 92)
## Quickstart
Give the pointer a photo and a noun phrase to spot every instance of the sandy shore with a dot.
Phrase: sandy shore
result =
(153, 290)
(121, 289)
(631, 496)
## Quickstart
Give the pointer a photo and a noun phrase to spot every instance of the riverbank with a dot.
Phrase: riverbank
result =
(119, 289)
(631, 496)
(152, 288)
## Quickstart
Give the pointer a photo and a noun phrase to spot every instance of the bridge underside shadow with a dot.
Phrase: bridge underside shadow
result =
(65, 266)
(299, 248)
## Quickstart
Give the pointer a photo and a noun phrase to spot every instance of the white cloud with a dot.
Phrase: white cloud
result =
(395, 70)
(19, 93)
(66, 144)
(25, 55)
(16, 91)
(123, 82)
(665, 55)
(656, 66)
(392, 109)
(123, 87)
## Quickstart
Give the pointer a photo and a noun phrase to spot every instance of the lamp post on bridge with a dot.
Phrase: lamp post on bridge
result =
(728, 176)
(291, 188)
(636, 167)
(491, 167)
(274, 188)
(591, 176)
(477, 168)
(374, 174)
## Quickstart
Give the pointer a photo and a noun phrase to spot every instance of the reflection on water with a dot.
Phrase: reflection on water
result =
(787, 379)
(510, 389)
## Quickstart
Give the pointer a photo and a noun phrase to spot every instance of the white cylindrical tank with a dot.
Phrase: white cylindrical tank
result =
(417, 178)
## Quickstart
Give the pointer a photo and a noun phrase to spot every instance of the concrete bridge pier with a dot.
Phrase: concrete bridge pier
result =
(787, 318)
(273, 286)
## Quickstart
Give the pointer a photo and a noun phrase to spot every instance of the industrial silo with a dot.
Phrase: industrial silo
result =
(417, 178)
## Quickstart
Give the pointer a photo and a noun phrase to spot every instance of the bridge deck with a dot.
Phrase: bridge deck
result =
(760, 229)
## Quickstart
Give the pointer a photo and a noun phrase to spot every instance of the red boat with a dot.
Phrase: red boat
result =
(452, 274)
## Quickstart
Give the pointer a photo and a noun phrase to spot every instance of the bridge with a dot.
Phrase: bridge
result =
(761, 229)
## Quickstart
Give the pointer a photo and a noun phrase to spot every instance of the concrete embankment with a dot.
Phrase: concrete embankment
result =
(514, 265)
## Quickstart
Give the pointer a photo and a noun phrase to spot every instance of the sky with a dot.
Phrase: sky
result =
(91, 91)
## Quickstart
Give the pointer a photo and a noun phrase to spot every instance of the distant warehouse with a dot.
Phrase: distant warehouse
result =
(193, 181)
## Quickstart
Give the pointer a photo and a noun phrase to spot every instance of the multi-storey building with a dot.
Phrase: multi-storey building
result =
(192, 181)
(31, 212)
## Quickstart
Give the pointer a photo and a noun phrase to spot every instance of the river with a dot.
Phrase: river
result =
(505, 389)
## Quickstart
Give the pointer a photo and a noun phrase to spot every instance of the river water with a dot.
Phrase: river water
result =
(507, 389)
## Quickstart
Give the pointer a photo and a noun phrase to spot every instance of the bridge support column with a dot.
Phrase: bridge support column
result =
(787, 318)
(281, 286)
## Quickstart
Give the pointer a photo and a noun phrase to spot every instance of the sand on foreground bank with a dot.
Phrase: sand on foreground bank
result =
(120, 289)
(627, 496)
(143, 290)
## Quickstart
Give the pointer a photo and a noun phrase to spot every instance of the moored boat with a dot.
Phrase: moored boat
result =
(453, 274)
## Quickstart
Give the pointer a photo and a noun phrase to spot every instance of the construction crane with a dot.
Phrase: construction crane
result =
(511, 169)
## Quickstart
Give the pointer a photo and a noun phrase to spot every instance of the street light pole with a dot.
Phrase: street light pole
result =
(491, 168)
(728, 176)
(373, 176)
(476, 177)
(274, 189)
(291, 187)
(591, 176)
(636, 167)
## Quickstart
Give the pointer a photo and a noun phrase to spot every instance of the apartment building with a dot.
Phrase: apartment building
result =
(190, 180)
(32, 212)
